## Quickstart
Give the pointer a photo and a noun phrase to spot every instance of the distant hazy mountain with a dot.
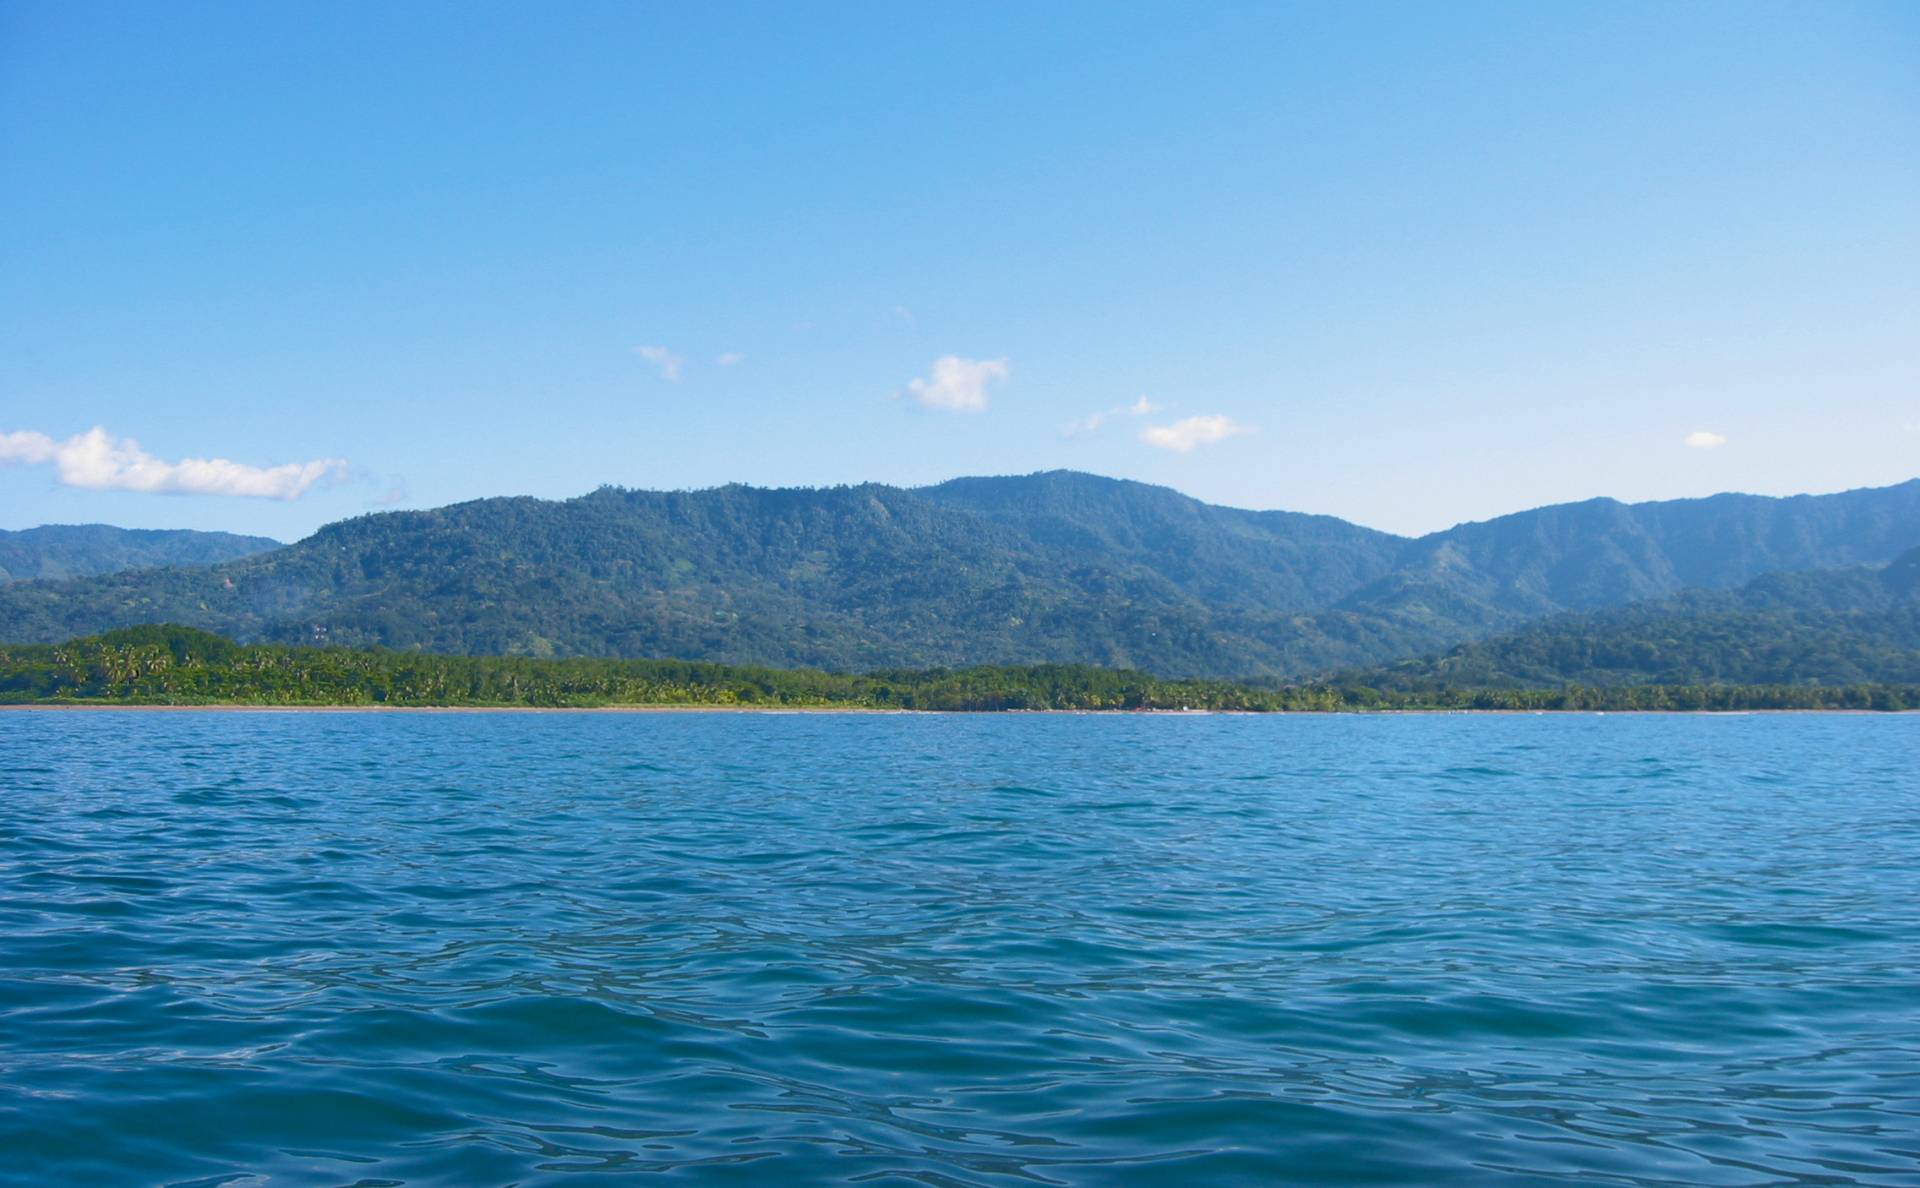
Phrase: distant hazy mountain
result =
(1827, 627)
(1047, 567)
(1601, 553)
(83, 550)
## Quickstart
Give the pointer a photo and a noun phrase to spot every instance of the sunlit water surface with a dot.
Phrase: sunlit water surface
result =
(298, 949)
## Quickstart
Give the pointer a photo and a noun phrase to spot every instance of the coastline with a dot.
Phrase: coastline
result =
(178, 668)
(260, 708)
(268, 708)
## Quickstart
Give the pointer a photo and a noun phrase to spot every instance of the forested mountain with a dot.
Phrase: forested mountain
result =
(83, 550)
(1046, 568)
(1224, 556)
(852, 577)
(1603, 553)
(1831, 627)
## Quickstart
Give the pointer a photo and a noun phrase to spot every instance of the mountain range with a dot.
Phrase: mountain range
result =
(84, 550)
(1829, 627)
(1051, 567)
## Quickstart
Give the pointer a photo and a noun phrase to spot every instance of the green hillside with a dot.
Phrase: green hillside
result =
(83, 550)
(1830, 627)
(1056, 568)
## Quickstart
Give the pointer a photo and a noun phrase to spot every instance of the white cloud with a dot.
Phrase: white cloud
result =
(664, 359)
(1183, 435)
(26, 446)
(97, 461)
(1091, 423)
(729, 358)
(958, 385)
(1084, 425)
(1700, 439)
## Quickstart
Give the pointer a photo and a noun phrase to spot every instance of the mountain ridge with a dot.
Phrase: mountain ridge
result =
(53, 551)
(1051, 567)
(1857, 625)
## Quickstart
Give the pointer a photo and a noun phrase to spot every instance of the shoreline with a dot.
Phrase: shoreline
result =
(267, 708)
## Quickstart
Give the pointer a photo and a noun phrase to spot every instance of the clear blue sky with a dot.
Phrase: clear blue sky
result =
(1404, 263)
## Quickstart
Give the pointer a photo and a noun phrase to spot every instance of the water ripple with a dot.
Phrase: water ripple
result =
(447, 949)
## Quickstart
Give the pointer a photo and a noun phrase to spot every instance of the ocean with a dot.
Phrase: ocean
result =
(385, 949)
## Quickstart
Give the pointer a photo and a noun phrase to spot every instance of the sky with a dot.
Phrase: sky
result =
(266, 266)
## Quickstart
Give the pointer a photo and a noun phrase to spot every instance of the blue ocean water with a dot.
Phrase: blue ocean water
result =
(329, 949)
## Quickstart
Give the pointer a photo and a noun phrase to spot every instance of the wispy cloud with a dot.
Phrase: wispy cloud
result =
(395, 493)
(1183, 435)
(729, 358)
(97, 461)
(958, 385)
(668, 363)
(1085, 425)
(1091, 422)
(1701, 439)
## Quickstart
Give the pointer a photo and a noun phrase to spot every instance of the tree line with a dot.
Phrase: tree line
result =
(171, 665)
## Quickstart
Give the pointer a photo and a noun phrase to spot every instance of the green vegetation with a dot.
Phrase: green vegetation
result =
(1830, 628)
(852, 578)
(171, 665)
(1055, 568)
(83, 550)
